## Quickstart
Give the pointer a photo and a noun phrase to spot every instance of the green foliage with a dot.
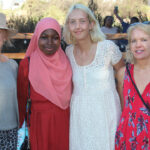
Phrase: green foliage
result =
(128, 9)
(94, 7)
(23, 24)
(56, 13)
(33, 10)
(25, 18)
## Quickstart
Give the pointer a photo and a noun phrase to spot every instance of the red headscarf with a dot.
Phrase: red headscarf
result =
(51, 75)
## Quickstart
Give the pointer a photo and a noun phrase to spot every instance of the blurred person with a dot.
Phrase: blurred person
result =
(9, 120)
(125, 25)
(107, 28)
(123, 43)
(95, 105)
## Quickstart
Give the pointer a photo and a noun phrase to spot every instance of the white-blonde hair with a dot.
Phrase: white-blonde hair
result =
(96, 34)
(141, 26)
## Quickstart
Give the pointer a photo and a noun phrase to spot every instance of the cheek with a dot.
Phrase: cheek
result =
(40, 44)
(148, 46)
(2, 37)
(2, 40)
(57, 45)
(70, 27)
(132, 46)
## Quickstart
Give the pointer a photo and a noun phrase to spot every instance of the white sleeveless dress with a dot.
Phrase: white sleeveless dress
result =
(95, 105)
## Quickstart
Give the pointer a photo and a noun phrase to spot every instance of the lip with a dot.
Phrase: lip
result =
(78, 32)
(49, 48)
(139, 51)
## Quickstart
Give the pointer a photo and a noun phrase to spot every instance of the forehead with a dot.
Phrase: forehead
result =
(77, 14)
(49, 32)
(109, 18)
(137, 33)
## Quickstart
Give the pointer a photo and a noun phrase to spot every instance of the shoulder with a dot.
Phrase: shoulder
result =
(13, 64)
(113, 48)
(23, 68)
(115, 29)
(108, 44)
(69, 49)
(23, 62)
(125, 24)
(103, 27)
(105, 45)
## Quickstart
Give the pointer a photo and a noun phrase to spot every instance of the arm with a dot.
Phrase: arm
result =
(117, 16)
(22, 89)
(119, 64)
(120, 79)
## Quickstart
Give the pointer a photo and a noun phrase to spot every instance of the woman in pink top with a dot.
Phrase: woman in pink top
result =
(49, 74)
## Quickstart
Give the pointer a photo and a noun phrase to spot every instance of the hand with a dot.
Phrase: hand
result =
(116, 10)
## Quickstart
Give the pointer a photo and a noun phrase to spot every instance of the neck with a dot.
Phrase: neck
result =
(142, 64)
(84, 45)
(108, 26)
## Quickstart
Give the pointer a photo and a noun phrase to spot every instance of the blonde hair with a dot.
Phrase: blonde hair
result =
(141, 26)
(96, 34)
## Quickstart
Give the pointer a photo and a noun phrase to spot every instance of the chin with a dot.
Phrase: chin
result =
(51, 53)
(142, 58)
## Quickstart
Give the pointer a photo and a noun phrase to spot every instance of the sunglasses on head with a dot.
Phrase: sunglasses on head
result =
(145, 22)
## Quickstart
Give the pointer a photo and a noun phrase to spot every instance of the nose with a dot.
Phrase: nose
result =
(138, 43)
(77, 25)
(49, 41)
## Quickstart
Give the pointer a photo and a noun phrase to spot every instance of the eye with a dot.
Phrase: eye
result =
(144, 40)
(133, 41)
(82, 20)
(56, 38)
(72, 21)
(43, 37)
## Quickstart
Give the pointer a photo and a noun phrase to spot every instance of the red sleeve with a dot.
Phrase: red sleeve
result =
(22, 89)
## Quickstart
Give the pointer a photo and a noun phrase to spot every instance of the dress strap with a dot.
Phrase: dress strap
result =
(128, 71)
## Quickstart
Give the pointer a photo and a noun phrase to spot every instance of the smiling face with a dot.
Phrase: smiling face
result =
(79, 25)
(140, 44)
(49, 41)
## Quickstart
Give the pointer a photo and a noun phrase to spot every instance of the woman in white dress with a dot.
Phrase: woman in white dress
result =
(95, 105)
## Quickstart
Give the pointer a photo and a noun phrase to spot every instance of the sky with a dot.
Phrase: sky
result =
(9, 4)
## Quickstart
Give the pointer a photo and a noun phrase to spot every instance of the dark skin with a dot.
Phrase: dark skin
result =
(109, 22)
(49, 42)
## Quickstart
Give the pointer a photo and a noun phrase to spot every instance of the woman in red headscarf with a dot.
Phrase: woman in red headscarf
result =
(49, 74)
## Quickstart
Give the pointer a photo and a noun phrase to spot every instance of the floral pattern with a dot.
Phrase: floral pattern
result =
(133, 132)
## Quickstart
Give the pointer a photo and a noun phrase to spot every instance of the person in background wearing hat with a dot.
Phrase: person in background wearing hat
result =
(8, 93)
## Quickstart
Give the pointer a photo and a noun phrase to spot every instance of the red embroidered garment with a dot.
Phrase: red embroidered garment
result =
(133, 132)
